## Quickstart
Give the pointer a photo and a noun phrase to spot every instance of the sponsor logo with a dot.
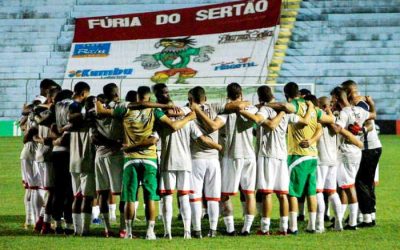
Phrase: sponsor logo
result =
(105, 73)
(91, 50)
(249, 35)
(107, 23)
(244, 62)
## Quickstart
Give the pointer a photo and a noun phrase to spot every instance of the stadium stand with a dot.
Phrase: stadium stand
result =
(322, 42)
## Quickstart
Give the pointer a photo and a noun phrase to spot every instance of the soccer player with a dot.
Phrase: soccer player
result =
(81, 160)
(302, 161)
(272, 171)
(109, 160)
(239, 163)
(176, 164)
(369, 160)
(63, 195)
(351, 118)
(206, 172)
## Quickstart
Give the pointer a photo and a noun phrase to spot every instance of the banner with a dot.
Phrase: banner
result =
(212, 44)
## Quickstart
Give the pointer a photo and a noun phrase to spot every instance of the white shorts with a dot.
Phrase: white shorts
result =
(238, 171)
(327, 178)
(347, 170)
(46, 172)
(206, 175)
(272, 176)
(175, 180)
(108, 172)
(31, 174)
(83, 184)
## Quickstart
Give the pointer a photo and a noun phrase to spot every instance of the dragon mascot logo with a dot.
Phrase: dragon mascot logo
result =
(176, 54)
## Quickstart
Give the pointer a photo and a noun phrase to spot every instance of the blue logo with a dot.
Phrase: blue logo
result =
(91, 50)
(241, 63)
(106, 73)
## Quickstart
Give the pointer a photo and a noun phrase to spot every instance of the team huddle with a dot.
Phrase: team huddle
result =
(79, 149)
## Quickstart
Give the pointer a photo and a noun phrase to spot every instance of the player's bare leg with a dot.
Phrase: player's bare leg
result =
(129, 214)
(265, 214)
(284, 213)
(353, 207)
(48, 207)
(151, 219)
(227, 212)
(86, 214)
(104, 210)
(293, 211)
(250, 213)
(312, 211)
(76, 214)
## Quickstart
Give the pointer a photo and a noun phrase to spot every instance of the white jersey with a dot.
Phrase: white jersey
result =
(29, 149)
(327, 148)
(272, 143)
(175, 152)
(43, 152)
(239, 135)
(61, 114)
(351, 116)
(370, 139)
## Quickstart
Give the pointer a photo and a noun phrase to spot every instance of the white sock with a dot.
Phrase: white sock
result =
(373, 216)
(248, 221)
(86, 220)
(167, 213)
(112, 208)
(185, 211)
(213, 214)
(77, 221)
(128, 224)
(107, 225)
(47, 218)
(229, 223)
(37, 203)
(353, 214)
(259, 207)
(196, 215)
(150, 227)
(360, 216)
(160, 207)
(42, 212)
(293, 221)
(311, 221)
(95, 212)
(320, 212)
(367, 218)
(334, 200)
(265, 223)
(283, 224)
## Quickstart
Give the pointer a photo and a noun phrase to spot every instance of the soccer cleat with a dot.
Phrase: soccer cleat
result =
(197, 234)
(187, 235)
(366, 224)
(168, 236)
(69, 231)
(128, 236)
(46, 229)
(151, 236)
(39, 225)
(259, 232)
(59, 231)
(292, 232)
(245, 233)
(233, 233)
(311, 231)
(212, 233)
(348, 227)
(122, 233)
(97, 221)
(281, 233)
(108, 234)
(373, 222)
(326, 218)
(300, 217)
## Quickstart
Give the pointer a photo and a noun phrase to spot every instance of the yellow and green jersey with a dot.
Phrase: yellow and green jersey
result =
(138, 125)
(297, 133)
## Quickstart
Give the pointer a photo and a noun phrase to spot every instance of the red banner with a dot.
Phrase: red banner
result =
(210, 19)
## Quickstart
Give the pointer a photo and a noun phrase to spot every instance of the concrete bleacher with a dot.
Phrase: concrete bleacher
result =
(333, 41)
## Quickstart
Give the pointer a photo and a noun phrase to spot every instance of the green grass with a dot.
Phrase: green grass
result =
(385, 235)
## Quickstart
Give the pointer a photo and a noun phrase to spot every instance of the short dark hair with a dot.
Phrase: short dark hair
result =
(198, 93)
(305, 92)
(63, 94)
(101, 98)
(233, 91)
(157, 88)
(291, 90)
(108, 88)
(348, 83)
(47, 83)
(80, 87)
(53, 92)
(131, 96)
(336, 91)
(265, 94)
(142, 91)
(312, 98)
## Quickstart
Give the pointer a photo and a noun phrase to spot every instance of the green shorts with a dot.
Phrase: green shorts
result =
(303, 175)
(139, 170)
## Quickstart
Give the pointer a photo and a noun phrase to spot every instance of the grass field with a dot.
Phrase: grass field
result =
(386, 235)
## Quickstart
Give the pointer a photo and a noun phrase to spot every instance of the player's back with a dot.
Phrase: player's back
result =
(327, 148)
